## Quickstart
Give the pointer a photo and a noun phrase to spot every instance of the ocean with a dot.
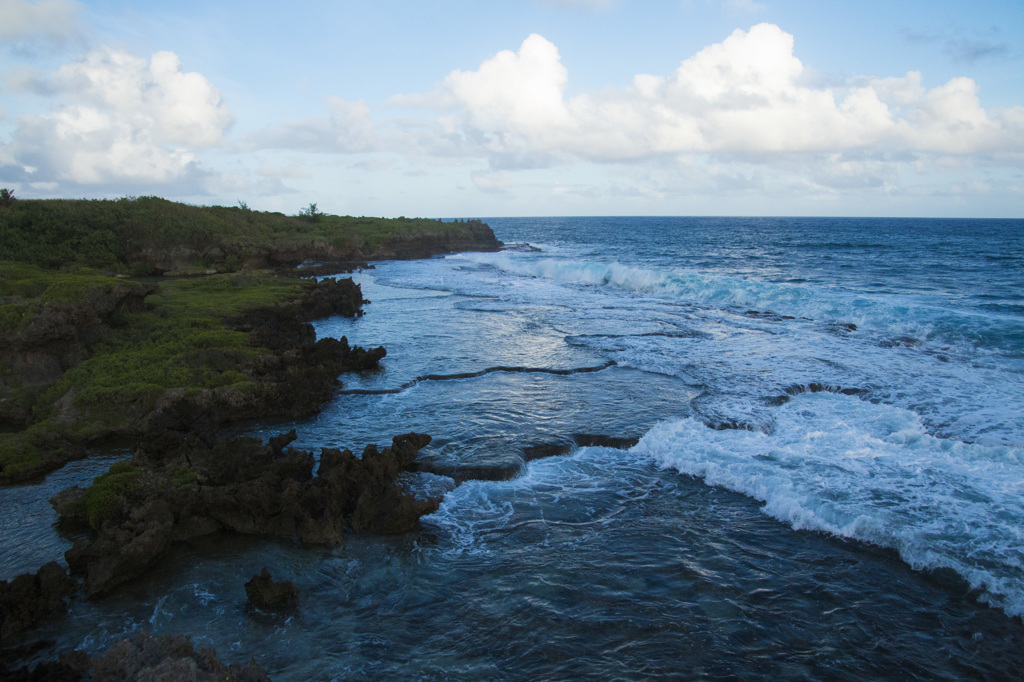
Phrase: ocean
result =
(818, 469)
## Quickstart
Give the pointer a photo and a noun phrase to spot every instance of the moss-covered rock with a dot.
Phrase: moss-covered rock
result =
(179, 488)
(214, 349)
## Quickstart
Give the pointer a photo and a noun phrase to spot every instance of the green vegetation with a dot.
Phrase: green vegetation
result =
(117, 234)
(26, 454)
(83, 358)
(34, 283)
(25, 290)
(184, 478)
(311, 213)
(104, 499)
(180, 340)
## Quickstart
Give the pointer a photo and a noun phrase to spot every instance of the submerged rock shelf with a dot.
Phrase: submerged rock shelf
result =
(472, 375)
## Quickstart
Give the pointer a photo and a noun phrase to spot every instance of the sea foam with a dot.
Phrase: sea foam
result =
(911, 317)
(844, 466)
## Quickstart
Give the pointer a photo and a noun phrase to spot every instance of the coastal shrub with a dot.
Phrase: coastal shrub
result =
(100, 506)
(25, 453)
(184, 477)
(116, 234)
(179, 341)
(107, 495)
(12, 317)
(18, 454)
(33, 284)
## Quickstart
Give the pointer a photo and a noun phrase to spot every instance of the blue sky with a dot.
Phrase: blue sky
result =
(521, 107)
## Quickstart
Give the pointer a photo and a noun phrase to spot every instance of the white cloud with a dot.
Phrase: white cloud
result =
(521, 92)
(122, 118)
(744, 95)
(50, 19)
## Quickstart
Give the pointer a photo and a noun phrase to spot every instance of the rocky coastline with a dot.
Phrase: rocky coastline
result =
(293, 375)
(473, 236)
(184, 479)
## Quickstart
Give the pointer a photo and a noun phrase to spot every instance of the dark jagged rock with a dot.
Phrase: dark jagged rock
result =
(543, 450)
(733, 425)
(168, 657)
(264, 593)
(281, 327)
(842, 327)
(329, 269)
(814, 387)
(195, 485)
(592, 440)
(901, 342)
(768, 315)
(32, 598)
(581, 440)
(70, 507)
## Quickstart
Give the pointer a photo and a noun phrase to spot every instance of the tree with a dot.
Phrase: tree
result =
(6, 197)
(311, 213)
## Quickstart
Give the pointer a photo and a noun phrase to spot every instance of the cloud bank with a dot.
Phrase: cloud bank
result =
(743, 116)
(748, 96)
(121, 118)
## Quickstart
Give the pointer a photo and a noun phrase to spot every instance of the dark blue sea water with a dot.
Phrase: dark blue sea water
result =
(828, 483)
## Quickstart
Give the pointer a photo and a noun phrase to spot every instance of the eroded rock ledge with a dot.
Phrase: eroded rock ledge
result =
(167, 657)
(178, 488)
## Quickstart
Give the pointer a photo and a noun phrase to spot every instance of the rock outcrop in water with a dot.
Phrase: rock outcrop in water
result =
(168, 658)
(265, 593)
(31, 598)
(181, 487)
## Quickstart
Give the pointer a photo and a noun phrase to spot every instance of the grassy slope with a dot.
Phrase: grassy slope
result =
(67, 250)
(179, 341)
(108, 234)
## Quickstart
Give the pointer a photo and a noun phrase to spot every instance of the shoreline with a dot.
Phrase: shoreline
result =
(176, 486)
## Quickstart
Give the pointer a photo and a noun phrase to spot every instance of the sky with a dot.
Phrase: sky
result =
(462, 108)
